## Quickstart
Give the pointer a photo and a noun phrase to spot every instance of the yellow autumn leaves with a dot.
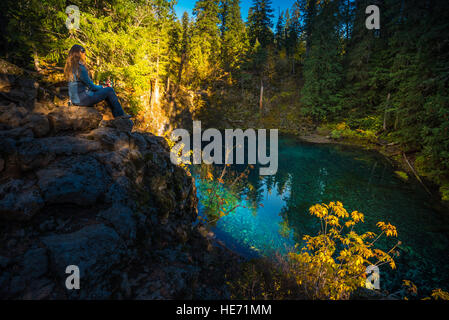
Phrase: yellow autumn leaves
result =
(437, 294)
(389, 230)
(332, 264)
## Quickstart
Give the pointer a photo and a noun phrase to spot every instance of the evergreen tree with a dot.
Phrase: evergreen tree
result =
(309, 9)
(323, 65)
(419, 83)
(234, 42)
(205, 50)
(293, 29)
(259, 23)
(185, 44)
(279, 38)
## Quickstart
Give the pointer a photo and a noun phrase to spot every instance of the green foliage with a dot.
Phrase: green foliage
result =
(402, 175)
(221, 199)
(233, 36)
(371, 122)
(444, 190)
(344, 131)
(259, 23)
(332, 264)
(32, 28)
(323, 65)
(206, 43)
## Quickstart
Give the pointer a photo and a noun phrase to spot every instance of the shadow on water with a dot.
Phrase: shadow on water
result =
(273, 215)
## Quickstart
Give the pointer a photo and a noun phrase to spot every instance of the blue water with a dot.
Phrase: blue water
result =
(273, 215)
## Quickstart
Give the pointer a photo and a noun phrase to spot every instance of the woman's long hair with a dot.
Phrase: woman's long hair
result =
(73, 60)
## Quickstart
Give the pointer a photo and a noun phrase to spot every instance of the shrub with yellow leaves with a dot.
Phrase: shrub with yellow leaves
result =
(179, 153)
(437, 294)
(332, 264)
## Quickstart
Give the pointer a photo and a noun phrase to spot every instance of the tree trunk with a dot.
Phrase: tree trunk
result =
(416, 174)
(155, 94)
(396, 122)
(386, 111)
(37, 66)
(261, 96)
(181, 67)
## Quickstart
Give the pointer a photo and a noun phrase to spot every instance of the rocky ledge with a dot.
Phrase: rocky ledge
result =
(79, 190)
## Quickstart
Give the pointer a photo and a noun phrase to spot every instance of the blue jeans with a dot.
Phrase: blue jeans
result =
(107, 94)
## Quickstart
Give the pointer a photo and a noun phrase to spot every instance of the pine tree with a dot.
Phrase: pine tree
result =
(419, 83)
(293, 29)
(279, 38)
(322, 66)
(259, 23)
(363, 91)
(185, 44)
(233, 35)
(206, 44)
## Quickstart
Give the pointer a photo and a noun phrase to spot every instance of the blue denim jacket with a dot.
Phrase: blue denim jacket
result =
(83, 84)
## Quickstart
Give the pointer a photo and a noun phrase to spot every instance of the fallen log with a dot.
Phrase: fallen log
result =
(416, 175)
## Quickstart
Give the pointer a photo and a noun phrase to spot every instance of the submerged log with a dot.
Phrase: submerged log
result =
(416, 174)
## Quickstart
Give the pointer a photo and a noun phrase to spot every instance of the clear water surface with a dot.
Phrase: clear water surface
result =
(361, 180)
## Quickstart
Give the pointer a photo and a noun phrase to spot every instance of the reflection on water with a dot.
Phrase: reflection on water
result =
(273, 212)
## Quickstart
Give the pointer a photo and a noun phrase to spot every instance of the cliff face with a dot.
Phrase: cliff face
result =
(79, 190)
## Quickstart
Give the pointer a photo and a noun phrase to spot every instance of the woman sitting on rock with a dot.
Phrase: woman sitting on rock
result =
(82, 91)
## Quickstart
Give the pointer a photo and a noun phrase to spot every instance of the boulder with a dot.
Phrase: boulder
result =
(38, 123)
(6, 81)
(4, 261)
(32, 154)
(110, 138)
(74, 119)
(156, 142)
(39, 152)
(121, 218)
(67, 145)
(118, 191)
(86, 190)
(19, 200)
(121, 124)
(35, 263)
(19, 89)
(18, 133)
(7, 146)
(39, 289)
(137, 141)
(96, 250)
(114, 162)
(11, 115)
(78, 179)
(43, 108)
